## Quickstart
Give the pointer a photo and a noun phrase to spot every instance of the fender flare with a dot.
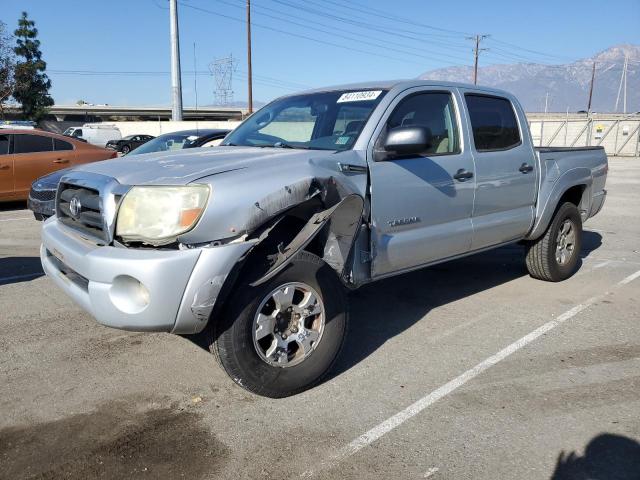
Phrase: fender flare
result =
(544, 214)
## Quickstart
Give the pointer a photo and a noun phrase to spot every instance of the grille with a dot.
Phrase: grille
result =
(88, 217)
(43, 195)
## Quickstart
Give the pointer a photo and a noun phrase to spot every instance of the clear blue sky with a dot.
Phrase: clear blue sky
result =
(383, 39)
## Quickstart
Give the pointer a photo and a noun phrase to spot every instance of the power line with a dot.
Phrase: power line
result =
(263, 80)
(352, 38)
(375, 12)
(306, 37)
(408, 34)
(366, 9)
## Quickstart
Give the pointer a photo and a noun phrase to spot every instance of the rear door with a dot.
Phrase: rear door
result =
(65, 154)
(34, 157)
(420, 212)
(506, 173)
(6, 167)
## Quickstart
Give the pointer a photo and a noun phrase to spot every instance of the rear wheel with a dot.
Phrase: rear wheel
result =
(282, 337)
(554, 256)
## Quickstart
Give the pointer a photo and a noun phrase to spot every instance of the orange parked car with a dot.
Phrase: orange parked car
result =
(29, 154)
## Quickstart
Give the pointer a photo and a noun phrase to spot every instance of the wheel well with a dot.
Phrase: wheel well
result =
(573, 195)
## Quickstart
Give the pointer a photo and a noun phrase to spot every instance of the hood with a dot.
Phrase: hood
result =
(183, 167)
(51, 180)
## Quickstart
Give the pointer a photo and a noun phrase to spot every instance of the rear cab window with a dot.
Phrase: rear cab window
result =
(24, 143)
(493, 122)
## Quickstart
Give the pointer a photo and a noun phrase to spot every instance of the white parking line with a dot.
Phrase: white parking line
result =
(602, 264)
(21, 277)
(630, 278)
(412, 410)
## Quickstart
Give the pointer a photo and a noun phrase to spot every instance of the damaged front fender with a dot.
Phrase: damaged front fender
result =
(342, 221)
(205, 284)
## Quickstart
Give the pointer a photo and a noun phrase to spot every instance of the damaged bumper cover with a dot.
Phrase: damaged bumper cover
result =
(135, 289)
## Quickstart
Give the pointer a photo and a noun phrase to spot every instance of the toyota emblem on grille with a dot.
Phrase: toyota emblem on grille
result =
(75, 206)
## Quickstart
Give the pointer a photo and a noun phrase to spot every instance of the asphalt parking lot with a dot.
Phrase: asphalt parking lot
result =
(469, 369)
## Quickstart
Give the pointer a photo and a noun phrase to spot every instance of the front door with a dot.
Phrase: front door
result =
(421, 205)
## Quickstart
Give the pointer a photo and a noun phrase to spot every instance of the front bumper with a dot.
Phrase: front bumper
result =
(42, 203)
(138, 289)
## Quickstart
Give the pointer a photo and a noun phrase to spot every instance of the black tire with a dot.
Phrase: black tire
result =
(125, 149)
(541, 254)
(231, 336)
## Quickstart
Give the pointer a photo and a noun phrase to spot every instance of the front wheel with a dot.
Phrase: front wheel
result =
(125, 149)
(282, 337)
(554, 256)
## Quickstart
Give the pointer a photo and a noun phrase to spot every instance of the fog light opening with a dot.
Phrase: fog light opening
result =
(129, 295)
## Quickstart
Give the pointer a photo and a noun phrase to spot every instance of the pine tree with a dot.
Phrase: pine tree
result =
(7, 67)
(32, 84)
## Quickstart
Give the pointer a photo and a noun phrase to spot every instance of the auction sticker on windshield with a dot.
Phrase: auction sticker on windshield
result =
(359, 96)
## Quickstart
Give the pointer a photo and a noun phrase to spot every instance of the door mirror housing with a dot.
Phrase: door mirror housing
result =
(410, 140)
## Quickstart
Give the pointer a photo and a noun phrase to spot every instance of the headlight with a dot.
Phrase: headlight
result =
(157, 215)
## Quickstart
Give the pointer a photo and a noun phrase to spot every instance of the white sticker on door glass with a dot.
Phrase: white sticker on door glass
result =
(359, 96)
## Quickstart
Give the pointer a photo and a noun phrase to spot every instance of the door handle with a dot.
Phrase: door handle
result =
(525, 168)
(61, 160)
(4, 167)
(463, 175)
(349, 168)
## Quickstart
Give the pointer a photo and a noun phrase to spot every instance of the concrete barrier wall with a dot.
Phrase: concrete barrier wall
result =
(158, 128)
(618, 134)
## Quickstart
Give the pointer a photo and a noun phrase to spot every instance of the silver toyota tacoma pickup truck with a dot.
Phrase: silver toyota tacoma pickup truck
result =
(254, 244)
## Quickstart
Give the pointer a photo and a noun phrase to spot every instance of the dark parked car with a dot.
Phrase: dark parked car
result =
(183, 139)
(43, 190)
(128, 143)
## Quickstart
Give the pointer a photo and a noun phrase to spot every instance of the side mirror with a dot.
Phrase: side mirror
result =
(408, 140)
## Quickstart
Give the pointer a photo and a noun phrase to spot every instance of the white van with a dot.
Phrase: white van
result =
(94, 133)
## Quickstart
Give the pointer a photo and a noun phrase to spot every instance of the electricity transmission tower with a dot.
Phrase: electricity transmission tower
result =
(222, 70)
(476, 53)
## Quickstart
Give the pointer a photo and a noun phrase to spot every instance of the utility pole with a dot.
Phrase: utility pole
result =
(176, 81)
(593, 76)
(623, 81)
(476, 53)
(249, 73)
(546, 103)
(626, 67)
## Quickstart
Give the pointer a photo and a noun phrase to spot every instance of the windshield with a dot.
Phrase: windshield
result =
(317, 121)
(163, 143)
(128, 137)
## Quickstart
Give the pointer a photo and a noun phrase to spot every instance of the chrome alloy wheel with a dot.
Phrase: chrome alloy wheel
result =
(565, 242)
(288, 325)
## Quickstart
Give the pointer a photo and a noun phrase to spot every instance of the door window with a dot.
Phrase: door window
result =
(32, 144)
(61, 145)
(436, 112)
(4, 144)
(493, 122)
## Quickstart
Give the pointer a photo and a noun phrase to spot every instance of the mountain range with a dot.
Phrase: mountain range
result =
(567, 85)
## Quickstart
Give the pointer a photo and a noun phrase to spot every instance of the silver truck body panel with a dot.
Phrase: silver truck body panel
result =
(409, 213)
